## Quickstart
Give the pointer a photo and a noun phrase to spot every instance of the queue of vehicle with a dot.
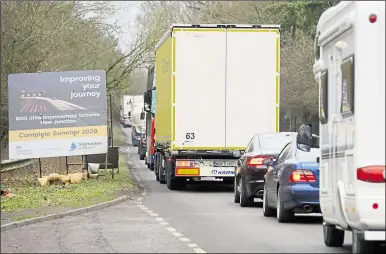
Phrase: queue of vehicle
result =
(210, 103)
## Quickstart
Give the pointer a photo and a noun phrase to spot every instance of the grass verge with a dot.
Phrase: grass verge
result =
(88, 192)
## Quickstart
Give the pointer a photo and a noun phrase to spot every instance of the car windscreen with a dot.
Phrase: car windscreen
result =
(275, 141)
(308, 156)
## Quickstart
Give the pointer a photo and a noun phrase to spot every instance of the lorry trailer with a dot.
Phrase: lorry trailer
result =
(216, 87)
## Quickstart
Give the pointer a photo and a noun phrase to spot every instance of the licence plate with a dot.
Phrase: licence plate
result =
(224, 163)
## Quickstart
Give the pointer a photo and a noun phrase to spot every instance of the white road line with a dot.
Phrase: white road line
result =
(177, 234)
(164, 223)
(184, 239)
(199, 250)
(192, 245)
(160, 220)
(171, 229)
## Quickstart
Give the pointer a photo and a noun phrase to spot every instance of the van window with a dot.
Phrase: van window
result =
(323, 100)
(347, 98)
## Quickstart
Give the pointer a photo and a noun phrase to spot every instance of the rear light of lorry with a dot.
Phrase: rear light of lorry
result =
(371, 174)
(257, 160)
(302, 176)
(184, 163)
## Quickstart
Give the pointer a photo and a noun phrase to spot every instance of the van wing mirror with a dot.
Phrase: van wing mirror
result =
(304, 137)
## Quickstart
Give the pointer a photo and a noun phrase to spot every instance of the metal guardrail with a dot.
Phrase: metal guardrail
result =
(9, 165)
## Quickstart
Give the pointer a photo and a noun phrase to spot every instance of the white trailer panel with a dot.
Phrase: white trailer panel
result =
(252, 84)
(199, 88)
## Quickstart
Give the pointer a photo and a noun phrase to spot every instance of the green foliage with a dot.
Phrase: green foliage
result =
(298, 20)
(62, 36)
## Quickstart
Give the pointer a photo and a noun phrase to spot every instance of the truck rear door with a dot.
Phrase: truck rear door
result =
(252, 84)
(199, 91)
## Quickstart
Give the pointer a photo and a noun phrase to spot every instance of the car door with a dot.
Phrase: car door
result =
(274, 174)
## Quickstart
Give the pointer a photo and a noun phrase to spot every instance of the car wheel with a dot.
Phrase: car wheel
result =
(333, 237)
(360, 245)
(245, 201)
(282, 214)
(267, 211)
(236, 191)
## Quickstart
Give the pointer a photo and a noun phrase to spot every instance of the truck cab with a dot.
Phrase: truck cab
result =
(350, 70)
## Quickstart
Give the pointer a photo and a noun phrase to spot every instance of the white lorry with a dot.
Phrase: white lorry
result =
(217, 86)
(350, 70)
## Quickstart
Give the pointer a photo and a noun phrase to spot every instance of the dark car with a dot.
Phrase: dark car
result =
(142, 146)
(292, 183)
(249, 177)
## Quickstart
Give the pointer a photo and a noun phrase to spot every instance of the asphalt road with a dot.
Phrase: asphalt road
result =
(206, 215)
(201, 219)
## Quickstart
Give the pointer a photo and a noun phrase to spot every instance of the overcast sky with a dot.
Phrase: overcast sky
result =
(125, 17)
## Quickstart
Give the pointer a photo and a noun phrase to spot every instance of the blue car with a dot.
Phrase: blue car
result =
(292, 182)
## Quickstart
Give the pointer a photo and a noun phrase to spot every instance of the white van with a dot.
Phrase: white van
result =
(350, 70)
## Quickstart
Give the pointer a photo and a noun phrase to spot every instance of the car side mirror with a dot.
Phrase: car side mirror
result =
(142, 116)
(268, 162)
(304, 138)
(317, 159)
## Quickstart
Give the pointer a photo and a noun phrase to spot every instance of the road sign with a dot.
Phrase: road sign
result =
(54, 114)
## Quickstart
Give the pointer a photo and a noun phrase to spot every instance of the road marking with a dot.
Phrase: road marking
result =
(171, 229)
(160, 220)
(199, 250)
(164, 223)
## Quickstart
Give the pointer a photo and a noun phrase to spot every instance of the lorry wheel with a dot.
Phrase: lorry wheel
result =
(151, 166)
(282, 214)
(236, 193)
(173, 183)
(360, 245)
(245, 201)
(333, 237)
(267, 211)
(161, 175)
(141, 157)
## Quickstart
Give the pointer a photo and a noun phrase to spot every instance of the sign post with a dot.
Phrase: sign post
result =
(53, 114)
